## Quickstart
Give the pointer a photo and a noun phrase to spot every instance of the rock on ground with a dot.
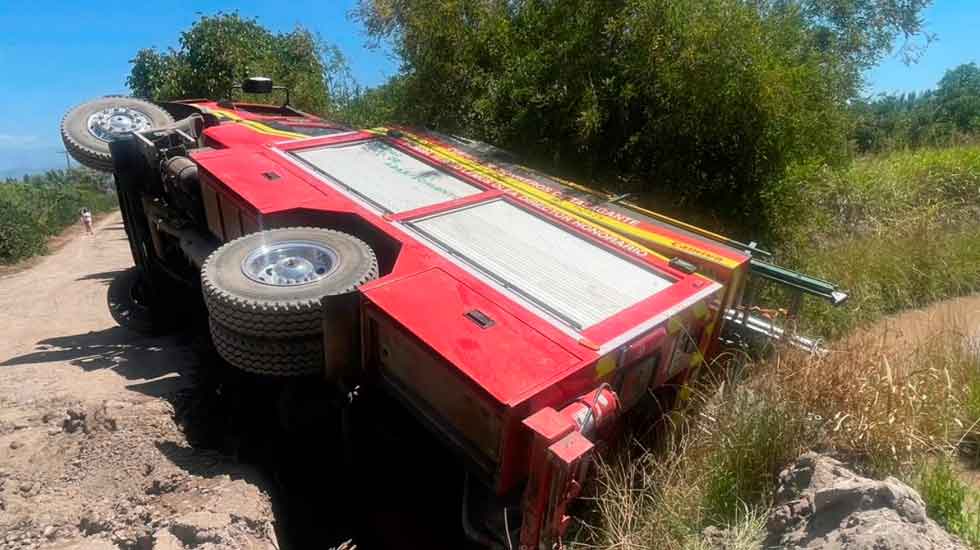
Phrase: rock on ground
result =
(822, 504)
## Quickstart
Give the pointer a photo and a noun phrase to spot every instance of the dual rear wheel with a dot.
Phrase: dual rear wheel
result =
(271, 295)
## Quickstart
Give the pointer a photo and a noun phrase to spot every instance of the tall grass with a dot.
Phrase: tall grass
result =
(880, 401)
(816, 204)
(880, 405)
(904, 267)
(716, 467)
(897, 231)
(752, 437)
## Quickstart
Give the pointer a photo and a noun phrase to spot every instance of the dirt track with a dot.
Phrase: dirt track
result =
(90, 455)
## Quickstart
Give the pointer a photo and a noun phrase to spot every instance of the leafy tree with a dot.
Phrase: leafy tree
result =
(381, 105)
(958, 97)
(712, 98)
(219, 51)
(945, 115)
(860, 32)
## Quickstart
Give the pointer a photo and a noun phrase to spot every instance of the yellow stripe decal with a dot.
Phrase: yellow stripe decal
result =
(542, 198)
(640, 209)
(257, 126)
(571, 208)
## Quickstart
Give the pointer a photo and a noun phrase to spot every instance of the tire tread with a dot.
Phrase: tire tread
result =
(98, 160)
(295, 357)
(271, 319)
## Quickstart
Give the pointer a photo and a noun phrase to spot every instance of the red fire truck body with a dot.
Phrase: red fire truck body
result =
(515, 314)
(476, 378)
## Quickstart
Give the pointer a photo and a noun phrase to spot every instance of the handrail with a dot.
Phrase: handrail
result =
(796, 280)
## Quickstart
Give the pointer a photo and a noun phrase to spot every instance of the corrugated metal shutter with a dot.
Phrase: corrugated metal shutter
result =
(573, 277)
(386, 176)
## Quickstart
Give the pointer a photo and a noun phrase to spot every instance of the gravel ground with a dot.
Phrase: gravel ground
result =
(90, 454)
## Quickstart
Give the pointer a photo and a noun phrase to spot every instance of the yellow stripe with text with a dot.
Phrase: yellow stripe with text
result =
(520, 187)
(569, 207)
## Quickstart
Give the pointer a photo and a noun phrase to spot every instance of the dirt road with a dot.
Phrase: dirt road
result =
(90, 455)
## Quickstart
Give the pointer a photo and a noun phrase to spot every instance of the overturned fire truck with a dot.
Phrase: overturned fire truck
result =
(516, 315)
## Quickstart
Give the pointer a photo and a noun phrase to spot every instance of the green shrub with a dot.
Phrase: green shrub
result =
(709, 99)
(41, 206)
(20, 234)
(944, 493)
(950, 501)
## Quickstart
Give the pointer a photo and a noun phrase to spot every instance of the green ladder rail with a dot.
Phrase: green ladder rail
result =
(798, 281)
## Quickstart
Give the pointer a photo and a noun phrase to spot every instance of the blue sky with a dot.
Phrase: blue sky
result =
(956, 24)
(57, 53)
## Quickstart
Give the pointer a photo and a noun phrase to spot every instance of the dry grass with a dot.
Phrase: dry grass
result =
(716, 465)
(654, 498)
(881, 401)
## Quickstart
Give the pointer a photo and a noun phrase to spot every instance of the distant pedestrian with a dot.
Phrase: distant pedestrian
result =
(87, 221)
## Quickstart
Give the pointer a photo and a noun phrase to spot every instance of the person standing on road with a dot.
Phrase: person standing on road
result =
(87, 221)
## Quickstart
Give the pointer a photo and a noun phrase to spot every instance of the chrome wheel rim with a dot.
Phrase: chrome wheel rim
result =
(289, 263)
(113, 123)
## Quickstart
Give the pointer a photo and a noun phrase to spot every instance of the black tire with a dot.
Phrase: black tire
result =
(251, 308)
(278, 357)
(88, 149)
(126, 303)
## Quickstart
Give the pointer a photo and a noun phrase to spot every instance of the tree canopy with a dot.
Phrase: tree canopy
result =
(937, 117)
(219, 51)
(710, 98)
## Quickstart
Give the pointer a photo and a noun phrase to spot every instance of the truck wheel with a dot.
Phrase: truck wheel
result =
(126, 303)
(88, 129)
(273, 284)
(270, 356)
